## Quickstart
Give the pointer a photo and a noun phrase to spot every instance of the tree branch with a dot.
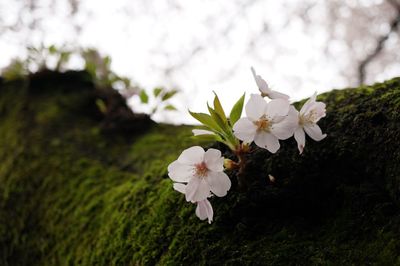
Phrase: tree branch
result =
(394, 24)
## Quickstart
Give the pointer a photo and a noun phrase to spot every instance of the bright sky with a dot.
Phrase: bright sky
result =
(145, 38)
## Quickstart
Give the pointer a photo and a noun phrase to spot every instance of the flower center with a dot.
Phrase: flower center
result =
(262, 124)
(311, 117)
(201, 169)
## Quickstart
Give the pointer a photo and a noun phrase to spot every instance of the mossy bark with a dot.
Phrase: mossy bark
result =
(84, 187)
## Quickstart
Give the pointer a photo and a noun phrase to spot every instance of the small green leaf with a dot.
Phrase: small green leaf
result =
(218, 108)
(144, 98)
(236, 110)
(219, 121)
(169, 95)
(170, 107)
(206, 120)
(157, 91)
(202, 128)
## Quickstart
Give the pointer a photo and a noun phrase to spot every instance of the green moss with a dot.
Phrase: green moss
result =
(72, 195)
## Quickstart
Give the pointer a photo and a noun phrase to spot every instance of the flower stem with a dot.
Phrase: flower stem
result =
(240, 152)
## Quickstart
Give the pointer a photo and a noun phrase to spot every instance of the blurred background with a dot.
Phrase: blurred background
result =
(298, 46)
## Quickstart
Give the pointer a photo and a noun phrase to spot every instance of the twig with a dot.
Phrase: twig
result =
(394, 24)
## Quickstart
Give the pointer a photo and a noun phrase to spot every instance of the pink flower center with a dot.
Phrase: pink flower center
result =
(201, 169)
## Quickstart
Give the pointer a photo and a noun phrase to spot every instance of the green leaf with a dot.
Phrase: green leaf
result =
(202, 127)
(236, 110)
(218, 120)
(144, 98)
(157, 91)
(169, 95)
(227, 134)
(206, 120)
(218, 108)
(170, 107)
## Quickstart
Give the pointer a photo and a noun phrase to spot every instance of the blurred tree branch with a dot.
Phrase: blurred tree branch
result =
(394, 25)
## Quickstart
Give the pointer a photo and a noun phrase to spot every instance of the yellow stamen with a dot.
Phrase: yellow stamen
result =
(262, 124)
(311, 117)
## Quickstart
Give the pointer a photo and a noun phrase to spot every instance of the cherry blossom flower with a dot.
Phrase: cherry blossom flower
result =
(202, 171)
(265, 89)
(311, 112)
(266, 123)
(204, 208)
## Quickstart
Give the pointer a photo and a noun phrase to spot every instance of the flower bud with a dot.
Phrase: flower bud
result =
(271, 178)
(229, 164)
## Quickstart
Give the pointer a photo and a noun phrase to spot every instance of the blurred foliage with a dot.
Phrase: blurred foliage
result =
(55, 58)
(158, 100)
(15, 70)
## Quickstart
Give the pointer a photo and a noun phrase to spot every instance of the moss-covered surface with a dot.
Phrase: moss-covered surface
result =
(78, 188)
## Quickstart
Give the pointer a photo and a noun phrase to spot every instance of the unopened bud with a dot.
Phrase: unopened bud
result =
(271, 178)
(229, 164)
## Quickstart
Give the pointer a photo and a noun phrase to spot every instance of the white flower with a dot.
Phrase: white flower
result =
(202, 171)
(204, 208)
(265, 89)
(266, 123)
(311, 112)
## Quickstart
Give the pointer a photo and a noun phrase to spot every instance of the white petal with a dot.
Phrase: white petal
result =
(180, 172)
(300, 138)
(213, 160)
(277, 95)
(261, 83)
(192, 155)
(255, 107)
(219, 183)
(191, 188)
(198, 132)
(308, 104)
(267, 141)
(210, 211)
(286, 128)
(244, 129)
(201, 210)
(314, 131)
(204, 210)
(276, 108)
(180, 187)
(197, 189)
(319, 108)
